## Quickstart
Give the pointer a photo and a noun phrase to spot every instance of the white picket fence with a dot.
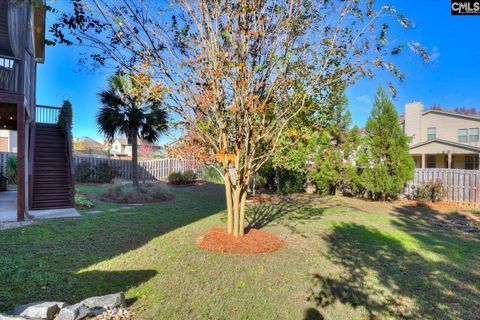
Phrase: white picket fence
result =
(461, 186)
(3, 160)
(149, 170)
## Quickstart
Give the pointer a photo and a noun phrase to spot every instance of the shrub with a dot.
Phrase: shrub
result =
(190, 176)
(65, 117)
(431, 191)
(83, 171)
(11, 173)
(182, 178)
(291, 181)
(105, 173)
(127, 193)
(82, 201)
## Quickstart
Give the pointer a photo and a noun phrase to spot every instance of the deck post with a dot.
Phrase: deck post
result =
(20, 162)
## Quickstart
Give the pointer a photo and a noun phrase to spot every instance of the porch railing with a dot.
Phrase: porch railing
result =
(47, 114)
(10, 74)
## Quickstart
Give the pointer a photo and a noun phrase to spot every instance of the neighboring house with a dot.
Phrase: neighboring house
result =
(88, 146)
(121, 148)
(442, 139)
(8, 141)
(44, 167)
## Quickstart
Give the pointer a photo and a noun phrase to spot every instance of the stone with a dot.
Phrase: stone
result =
(126, 208)
(108, 301)
(39, 310)
(94, 212)
(74, 312)
(113, 210)
(9, 317)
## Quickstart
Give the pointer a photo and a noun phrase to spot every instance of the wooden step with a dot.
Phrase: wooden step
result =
(50, 205)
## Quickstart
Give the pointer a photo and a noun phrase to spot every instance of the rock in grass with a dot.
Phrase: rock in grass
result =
(39, 310)
(108, 301)
(74, 312)
(9, 317)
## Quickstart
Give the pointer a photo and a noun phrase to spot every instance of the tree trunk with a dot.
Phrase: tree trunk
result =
(239, 197)
(277, 180)
(134, 139)
(228, 197)
(253, 185)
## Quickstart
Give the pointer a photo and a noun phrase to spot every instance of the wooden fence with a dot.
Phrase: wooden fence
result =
(461, 186)
(149, 170)
(3, 160)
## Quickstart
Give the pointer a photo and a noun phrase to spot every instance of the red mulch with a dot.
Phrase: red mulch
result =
(440, 206)
(193, 184)
(262, 198)
(255, 241)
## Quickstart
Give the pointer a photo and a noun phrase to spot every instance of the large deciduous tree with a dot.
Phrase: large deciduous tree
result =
(239, 71)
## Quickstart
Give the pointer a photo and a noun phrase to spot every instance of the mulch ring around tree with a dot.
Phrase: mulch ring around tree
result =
(254, 242)
(191, 184)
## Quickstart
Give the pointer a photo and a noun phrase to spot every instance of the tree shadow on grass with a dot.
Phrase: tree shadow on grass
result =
(385, 276)
(46, 261)
(287, 211)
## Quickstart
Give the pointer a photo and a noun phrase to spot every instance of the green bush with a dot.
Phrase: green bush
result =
(65, 118)
(143, 193)
(105, 173)
(291, 181)
(431, 191)
(11, 173)
(82, 201)
(182, 178)
(83, 172)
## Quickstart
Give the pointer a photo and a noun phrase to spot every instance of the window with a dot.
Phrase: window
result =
(431, 133)
(471, 162)
(473, 135)
(431, 161)
(462, 135)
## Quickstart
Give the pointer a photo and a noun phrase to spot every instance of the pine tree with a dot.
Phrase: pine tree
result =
(333, 150)
(384, 159)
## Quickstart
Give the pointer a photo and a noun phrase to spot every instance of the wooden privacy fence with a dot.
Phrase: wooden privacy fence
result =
(148, 170)
(3, 160)
(461, 186)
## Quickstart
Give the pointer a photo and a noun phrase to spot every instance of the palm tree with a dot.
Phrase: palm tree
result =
(128, 109)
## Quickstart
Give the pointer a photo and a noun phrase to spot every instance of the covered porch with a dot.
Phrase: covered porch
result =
(445, 154)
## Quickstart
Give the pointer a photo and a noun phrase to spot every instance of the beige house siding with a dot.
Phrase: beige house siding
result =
(447, 126)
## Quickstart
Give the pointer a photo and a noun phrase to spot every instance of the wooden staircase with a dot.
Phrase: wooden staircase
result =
(52, 186)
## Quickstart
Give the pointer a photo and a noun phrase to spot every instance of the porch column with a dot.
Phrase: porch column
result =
(449, 160)
(423, 160)
(20, 162)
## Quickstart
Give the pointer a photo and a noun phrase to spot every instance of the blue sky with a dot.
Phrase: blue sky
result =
(452, 79)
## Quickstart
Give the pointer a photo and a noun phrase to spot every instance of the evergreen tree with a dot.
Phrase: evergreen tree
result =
(333, 151)
(384, 159)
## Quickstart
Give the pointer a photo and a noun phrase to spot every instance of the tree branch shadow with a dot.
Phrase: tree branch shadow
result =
(384, 278)
(288, 211)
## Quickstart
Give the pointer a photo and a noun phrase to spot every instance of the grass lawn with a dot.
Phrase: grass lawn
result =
(344, 259)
